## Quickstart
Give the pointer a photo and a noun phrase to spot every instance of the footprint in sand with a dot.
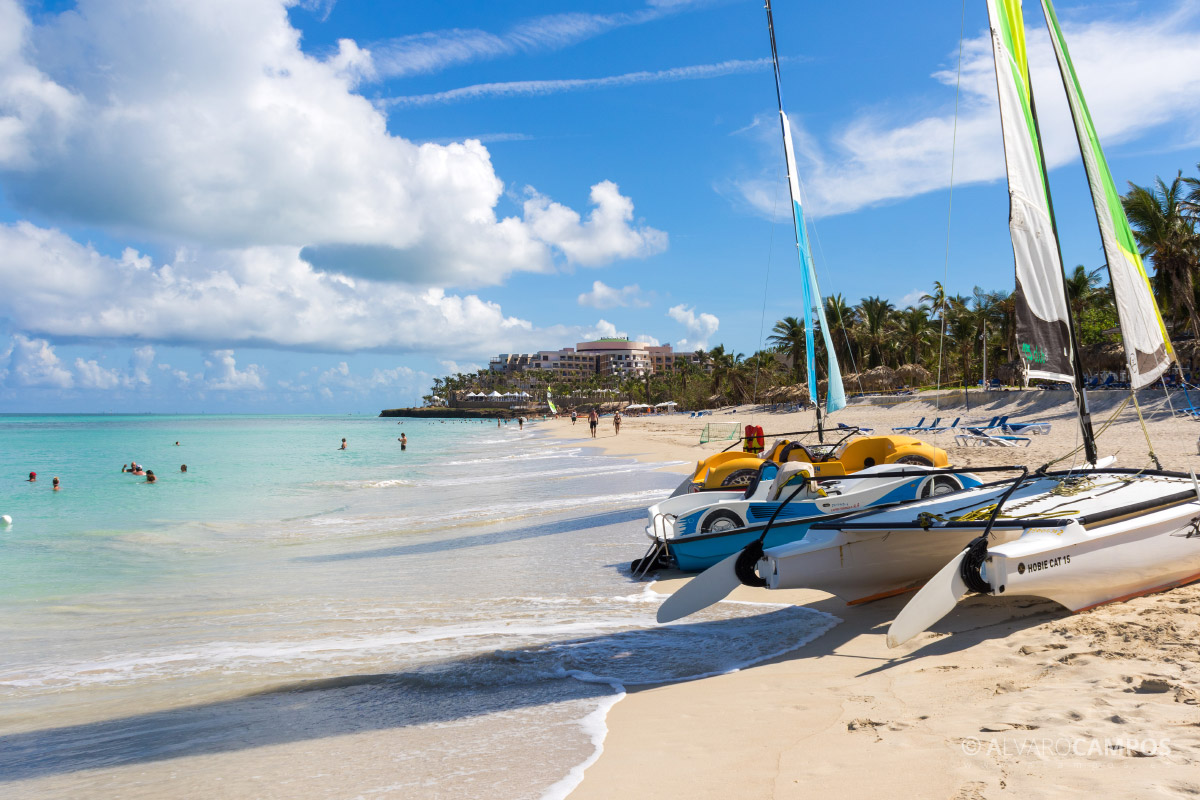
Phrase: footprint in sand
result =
(971, 791)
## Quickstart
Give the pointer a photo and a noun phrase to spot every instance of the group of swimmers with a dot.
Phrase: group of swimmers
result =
(33, 479)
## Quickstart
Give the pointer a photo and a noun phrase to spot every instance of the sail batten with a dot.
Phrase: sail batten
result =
(1148, 350)
(1043, 327)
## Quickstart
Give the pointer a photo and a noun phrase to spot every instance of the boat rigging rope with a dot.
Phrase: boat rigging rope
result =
(1146, 433)
(1108, 422)
(950, 212)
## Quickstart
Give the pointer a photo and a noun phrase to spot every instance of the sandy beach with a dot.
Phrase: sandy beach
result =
(1013, 697)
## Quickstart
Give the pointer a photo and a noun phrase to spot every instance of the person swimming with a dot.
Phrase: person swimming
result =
(32, 478)
(183, 467)
(55, 482)
(150, 476)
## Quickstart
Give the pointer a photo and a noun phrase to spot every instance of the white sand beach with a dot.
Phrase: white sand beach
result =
(1013, 697)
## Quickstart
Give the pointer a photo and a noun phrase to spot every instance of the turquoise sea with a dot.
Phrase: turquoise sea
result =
(287, 619)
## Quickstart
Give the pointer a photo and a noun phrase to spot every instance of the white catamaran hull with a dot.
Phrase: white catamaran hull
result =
(859, 566)
(1081, 568)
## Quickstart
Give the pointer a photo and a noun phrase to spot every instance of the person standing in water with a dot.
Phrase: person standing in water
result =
(343, 447)
(403, 442)
(32, 478)
(183, 467)
(150, 476)
(56, 486)
(593, 421)
(521, 423)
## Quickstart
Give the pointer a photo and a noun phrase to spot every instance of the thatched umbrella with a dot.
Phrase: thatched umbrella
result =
(879, 379)
(914, 375)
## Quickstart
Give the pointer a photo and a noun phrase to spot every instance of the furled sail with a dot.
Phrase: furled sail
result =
(1043, 329)
(814, 307)
(1147, 347)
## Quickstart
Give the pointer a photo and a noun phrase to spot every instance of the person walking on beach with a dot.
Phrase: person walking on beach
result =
(617, 423)
(573, 416)
(403, 442)
(521, 423)
(593, 421)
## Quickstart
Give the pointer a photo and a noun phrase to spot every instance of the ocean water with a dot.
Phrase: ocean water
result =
(288, 619)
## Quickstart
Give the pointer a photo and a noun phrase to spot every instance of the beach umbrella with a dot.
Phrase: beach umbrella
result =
(668, 403)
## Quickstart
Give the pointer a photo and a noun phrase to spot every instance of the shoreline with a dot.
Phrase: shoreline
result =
(1022, 693)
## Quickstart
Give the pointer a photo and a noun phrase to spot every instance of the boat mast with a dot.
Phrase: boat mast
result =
(1085, 415)
(796, 221)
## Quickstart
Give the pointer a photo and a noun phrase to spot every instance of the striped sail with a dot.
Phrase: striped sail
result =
(814, 307)
(1148, 349)
(1043, 332)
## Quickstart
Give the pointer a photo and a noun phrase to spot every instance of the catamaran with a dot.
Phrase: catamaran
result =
(1079, 537)
(710, 517)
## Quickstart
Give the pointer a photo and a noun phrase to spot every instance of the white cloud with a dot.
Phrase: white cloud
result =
(437, 50)
(699, 327)
(603, 329)
(454, 367)
(606, 235)
(642, 337)
(33, 362)
(139, 364)
(221, 373)
(343, 379)
(604, 296)
(913, 298)
(53, 286)
(93, 376)
(544, 87)
(1138, 74)
(234, 138)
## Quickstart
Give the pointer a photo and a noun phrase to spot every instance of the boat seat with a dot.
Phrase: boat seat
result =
(766, 471)
(786, 473)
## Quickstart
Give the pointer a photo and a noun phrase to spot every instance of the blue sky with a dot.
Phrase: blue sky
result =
(257, 205)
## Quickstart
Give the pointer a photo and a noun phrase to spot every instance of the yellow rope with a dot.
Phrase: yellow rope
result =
(1146, 433)
(1103, 428)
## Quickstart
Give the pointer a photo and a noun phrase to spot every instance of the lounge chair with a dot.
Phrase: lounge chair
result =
(1027, 427)
(859, 428)
(920, 426)
(943, 428)
(979, 437)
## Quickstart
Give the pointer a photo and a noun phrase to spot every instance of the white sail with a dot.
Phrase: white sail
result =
(1148, 349)
(1043, 330)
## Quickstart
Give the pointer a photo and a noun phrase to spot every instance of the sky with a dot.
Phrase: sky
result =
(317, 206)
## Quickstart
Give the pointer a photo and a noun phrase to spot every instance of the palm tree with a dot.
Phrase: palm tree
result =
(1167, 236)
(914, 331)
(841, 321)
(875, 313)
(937, 300)
(1192, 201)
(788, 337)
(1081, 286)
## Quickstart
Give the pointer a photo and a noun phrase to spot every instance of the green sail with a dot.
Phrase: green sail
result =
(1148, 349)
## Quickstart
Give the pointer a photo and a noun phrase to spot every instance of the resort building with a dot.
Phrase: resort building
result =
(614, 359)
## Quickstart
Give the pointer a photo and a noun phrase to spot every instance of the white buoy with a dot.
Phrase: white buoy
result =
(5, 520)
